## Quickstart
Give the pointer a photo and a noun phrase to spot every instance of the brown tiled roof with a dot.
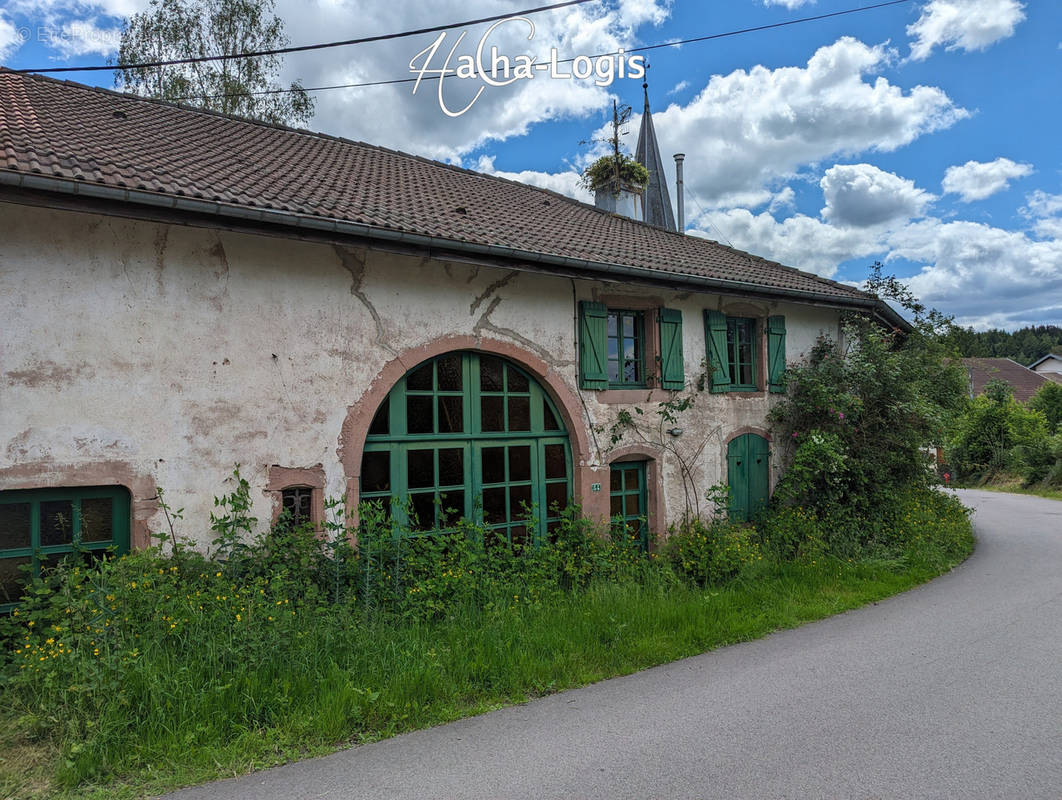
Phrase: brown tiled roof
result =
(1024, 381)
(69, 131)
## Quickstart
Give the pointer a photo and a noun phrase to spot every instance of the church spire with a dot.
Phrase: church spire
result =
(647, 153)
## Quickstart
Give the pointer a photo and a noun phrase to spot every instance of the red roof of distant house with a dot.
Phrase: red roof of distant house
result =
(1023, 380)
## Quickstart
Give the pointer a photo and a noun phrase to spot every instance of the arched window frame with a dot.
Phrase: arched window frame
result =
(390, 443)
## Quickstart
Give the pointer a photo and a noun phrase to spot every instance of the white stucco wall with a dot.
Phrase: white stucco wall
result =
(177, 351)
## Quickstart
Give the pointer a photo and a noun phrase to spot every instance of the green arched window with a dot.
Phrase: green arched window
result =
(473, 435)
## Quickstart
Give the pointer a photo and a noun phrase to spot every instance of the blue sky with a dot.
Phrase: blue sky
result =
(924, 135)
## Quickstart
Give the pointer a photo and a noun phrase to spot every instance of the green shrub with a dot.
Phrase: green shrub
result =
(710, 552)
(791, 532)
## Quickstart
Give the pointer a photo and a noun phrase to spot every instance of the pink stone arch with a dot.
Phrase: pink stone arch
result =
(360, 414)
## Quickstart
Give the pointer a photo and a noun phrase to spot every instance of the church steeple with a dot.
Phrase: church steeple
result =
(647, 153)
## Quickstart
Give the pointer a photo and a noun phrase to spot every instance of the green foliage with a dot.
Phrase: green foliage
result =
(1025, 345)
(710, 552)
(856, 422)
(298, 639)
(997, 435)
(1048, 401)
(614, 171)
(176, 29)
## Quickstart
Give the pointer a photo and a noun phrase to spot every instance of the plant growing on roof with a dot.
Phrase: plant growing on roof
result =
(614, 171)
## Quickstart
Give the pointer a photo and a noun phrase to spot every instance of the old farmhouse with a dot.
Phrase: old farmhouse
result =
(182, 291)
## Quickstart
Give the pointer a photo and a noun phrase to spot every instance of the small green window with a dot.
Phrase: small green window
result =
(626, 348)
(628, 500)
(741, 353)
(38, 527)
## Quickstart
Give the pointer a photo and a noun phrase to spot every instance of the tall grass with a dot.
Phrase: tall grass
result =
(166, 677)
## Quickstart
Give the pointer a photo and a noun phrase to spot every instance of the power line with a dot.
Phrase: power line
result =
(303, 48)
(643, 49)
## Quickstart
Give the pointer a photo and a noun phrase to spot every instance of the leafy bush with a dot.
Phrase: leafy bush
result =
(1048, 401)
(710, 552)
(996, 435)
(608, 171)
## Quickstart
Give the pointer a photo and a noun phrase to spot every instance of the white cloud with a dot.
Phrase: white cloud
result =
(566, 183)
(790, 4)
(861, 195)
(799, 241)
(415, 123)
(10, 37)
(989, 276)
(1046, 212)
(82, 37)
(963, 25)
(678, 87)
(747, 130)
(976, 180)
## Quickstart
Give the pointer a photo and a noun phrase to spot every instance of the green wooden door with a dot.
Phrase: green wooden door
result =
(749, 474)
(629, 500)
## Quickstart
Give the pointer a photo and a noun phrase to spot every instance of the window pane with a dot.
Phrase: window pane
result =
(493, 417)
(518, 534)
(418, 415)
(616, 480)
(630, 480)
(628, 325)
(746, 374)
(634, 506)
(519, 413)
(376, 472)
(421, 471)
(97, 519)
(555, 466)
(490, 374)
(493, 464)
(450, 420)
(451, 467)
(520, 463)
(452, 507)
(549, 420)
(14, 525)
(380, 426)
(616, 505)
(613, 371)
(494, 506)
(556, 497)
(422, 515)
(517, 381)
(612, 328)
(12, 579)
(57, 522)
(419, 380)
(450, 373)
(519, 496)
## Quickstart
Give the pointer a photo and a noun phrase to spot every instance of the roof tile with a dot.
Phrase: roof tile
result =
(68, 130)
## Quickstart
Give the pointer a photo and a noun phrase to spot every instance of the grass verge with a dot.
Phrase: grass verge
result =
(1015, 485)
(348, 683)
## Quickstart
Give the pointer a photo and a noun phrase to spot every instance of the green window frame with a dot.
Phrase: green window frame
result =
(625, 339)
(472, 435)
(742, 353)
(38, 527)
(629, 499)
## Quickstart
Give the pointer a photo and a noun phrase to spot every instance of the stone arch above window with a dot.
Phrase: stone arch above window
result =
(468, 434)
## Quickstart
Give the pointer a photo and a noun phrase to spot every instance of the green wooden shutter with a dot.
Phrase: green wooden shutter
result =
(715, 340)
(776, 354)
(672, 369)
(593, 341)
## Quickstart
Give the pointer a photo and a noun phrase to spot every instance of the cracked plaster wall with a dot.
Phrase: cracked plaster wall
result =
(174, 352)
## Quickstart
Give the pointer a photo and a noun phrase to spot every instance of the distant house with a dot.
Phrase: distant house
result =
(1022, 380)
(182, 290)
(1050, 366)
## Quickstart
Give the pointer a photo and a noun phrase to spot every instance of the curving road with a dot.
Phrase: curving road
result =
(951, 690)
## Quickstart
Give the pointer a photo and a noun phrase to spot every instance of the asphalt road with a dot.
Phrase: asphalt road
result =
(952, 690)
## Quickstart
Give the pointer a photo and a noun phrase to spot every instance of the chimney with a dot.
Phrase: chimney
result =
(627, 201)
(680, 191)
